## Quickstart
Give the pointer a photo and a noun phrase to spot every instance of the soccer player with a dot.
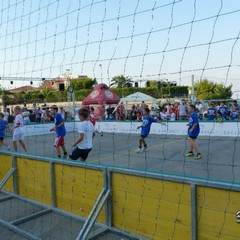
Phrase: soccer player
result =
(146, 126)
(60, 130)
(18, 129)
(193, 131)
(86, 131)
(2, 131)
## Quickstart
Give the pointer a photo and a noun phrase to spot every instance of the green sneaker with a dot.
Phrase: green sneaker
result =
(199, 156)
(189, 154)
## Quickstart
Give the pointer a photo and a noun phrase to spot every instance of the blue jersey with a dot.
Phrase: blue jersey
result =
(211, 113)
(146, 125)
(224, 111)
(234, 115)
(2, 128)
(192, 120)
(61, 131)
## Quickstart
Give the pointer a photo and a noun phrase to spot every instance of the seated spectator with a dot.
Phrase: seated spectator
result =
(223, 110)
(218, 118)
(234, 115)
(211, 112)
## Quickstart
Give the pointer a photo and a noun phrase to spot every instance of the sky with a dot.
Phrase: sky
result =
(141, 39)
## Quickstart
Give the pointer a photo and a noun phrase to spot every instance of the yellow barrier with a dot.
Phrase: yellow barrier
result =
(146, 206)
(5, 166)
(216, 213)
(151, 208)
(77, 189)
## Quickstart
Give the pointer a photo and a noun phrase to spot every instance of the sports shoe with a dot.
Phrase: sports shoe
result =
(145, 148)
(199, 156)
(65, 156)
(189, 154)
(139, 150)
(8, 148)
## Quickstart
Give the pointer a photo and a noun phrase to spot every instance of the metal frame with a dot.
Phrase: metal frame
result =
(104, 199)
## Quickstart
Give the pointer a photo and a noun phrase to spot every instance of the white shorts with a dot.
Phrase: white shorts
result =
(18, 136)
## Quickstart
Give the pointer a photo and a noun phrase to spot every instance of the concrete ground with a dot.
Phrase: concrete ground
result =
(166, 154)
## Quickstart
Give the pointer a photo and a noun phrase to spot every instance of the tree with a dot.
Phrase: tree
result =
(83, 83)
(206, 89)
(121, 82)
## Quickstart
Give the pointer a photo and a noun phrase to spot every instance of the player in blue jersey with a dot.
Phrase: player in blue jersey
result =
(145, 129)
(2, 131)
(193, 131)
(60, 130)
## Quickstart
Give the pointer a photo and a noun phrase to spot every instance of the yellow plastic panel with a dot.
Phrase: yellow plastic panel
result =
(151, 208)
(77, 189)
(216, 214)
(5, 166)
(34, 180)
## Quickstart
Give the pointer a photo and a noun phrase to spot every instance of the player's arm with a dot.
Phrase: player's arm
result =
(81, 137)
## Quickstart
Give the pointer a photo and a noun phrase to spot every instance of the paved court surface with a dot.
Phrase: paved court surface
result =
(221, 161)
(221, 156)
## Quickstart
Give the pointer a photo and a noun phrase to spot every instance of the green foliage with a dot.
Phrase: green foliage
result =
(166, 92)
(81, 94)
(206, 89)
(121, 82)
(83, 83)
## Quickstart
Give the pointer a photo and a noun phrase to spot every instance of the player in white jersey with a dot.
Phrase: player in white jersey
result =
(18, 129)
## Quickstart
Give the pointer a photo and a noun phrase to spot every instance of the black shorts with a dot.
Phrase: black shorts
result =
(1, 138)
(79, 153)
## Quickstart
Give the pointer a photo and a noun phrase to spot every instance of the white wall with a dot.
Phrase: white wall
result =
(229, 129)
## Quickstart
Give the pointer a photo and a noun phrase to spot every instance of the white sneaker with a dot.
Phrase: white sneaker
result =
(139, 150)
(145, 149)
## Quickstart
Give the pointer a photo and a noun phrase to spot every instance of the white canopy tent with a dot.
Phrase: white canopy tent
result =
(138, 97)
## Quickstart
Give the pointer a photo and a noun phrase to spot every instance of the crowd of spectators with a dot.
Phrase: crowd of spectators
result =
(215, 111)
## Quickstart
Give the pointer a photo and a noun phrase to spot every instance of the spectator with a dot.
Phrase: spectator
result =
(62, 112)
(121, 112)
(133, 113)
(182, 108)
(26, 118)
(172, 114)
(199, 108)
(153, 112)
(211, 112)
(234, 115)
(175, 108)
(223, 110)
(38, 113)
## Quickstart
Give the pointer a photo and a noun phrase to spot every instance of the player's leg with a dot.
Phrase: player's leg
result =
(57, 145)
(15, 147)
(141, 143)
(196, 149)
(190, 153)
(62, 145)
(23, 145)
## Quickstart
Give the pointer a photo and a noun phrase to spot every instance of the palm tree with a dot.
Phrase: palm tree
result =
(121, 81)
